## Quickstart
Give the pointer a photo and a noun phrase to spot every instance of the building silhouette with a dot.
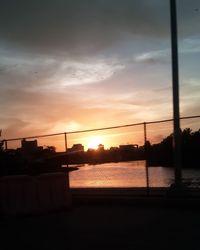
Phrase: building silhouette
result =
(28, 147)
(76, 148)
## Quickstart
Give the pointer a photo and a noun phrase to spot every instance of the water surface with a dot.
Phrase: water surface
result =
(121, 174)
(127, 174)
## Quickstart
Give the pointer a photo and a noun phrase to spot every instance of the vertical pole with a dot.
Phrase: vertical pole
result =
(65, 134)
(6, 145)
(67, 172)
(146, 160)
(6, 149)
(175, 87)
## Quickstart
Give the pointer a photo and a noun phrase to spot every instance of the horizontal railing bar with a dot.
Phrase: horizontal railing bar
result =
(190, 117)
(100, 129)
(106, 128)
(75, 132)
(170, 120)
(32, 137)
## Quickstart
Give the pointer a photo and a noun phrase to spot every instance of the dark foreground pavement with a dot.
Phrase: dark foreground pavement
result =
(99, 226)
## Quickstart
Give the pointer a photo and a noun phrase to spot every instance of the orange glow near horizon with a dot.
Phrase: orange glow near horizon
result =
(94, 141)
(113, 138)
(110, 138)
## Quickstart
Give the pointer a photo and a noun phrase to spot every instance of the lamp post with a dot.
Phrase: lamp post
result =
(175, 88)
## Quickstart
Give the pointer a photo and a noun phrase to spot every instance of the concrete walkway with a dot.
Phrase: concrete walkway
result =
(125, 226)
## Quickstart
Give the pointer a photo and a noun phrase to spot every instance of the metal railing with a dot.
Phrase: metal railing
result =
(66, 134)
(96, 129)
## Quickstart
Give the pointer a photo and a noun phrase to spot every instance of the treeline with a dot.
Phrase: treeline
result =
(162, 153)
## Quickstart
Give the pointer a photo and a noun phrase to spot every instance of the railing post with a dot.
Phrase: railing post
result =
(146, 160)
(6, 145)
(65, 134)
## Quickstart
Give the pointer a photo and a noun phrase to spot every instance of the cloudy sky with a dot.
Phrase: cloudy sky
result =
(70, 65)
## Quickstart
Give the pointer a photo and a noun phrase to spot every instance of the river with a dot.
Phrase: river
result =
(127, 174)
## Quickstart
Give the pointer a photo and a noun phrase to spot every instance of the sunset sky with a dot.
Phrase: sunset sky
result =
(70, 65)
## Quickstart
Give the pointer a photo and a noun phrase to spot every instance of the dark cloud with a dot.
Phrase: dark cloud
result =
(188, 13)
(77, 26)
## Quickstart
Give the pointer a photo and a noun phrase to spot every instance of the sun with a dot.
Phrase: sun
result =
(93, 142)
